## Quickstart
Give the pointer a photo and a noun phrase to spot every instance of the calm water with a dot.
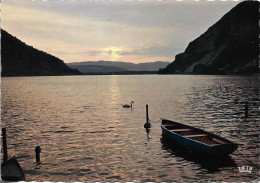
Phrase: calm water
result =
(85, 134)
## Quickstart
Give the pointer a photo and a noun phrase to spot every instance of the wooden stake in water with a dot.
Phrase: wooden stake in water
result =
(37, 153)
(246, 110)
(147, 124)
(147, 117)
(4, 144)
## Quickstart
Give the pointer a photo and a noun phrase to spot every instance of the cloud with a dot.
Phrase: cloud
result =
(134, 13)
(82, 30)
(110, 52)
(150, 51)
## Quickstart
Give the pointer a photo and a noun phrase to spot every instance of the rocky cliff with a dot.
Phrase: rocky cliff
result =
(19, 59)
(230, 46)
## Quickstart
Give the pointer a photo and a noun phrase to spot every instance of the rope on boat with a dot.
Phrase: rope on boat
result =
(155, 121)
(247, 159)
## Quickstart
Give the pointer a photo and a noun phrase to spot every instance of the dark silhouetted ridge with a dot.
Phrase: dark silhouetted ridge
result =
(112, 67)
(19, 59)
(230, 46)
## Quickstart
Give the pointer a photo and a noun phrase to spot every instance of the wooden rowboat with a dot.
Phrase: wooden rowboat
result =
(197, 139)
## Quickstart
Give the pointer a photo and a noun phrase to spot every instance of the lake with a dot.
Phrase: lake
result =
(85, 133)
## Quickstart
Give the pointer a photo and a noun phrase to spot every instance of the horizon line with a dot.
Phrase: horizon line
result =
(117, 61)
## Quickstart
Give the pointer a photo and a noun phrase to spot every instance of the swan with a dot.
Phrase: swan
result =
(128, 106)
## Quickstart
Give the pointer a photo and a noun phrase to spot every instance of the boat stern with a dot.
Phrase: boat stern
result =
(224, 149)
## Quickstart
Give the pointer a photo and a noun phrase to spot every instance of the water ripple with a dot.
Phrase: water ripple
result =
(85, 134)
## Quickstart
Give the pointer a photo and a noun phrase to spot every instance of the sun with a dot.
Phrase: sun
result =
(113, 52)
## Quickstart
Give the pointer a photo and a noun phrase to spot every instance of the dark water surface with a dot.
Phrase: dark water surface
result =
(85, 134)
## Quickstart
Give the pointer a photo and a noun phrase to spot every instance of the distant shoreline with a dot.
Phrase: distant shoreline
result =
(122, 73)
(139, 73)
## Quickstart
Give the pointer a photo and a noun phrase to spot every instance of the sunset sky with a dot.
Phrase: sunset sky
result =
(116, 30)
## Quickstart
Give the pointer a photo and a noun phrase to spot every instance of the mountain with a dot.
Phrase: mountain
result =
(230, 46)
(91, 67)
(19, 59)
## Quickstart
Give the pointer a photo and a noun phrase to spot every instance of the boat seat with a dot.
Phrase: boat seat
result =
(182, 130)
(166, 125)
(197, 135)
(218, 140)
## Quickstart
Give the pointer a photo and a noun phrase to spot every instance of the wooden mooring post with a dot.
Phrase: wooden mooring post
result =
(147, 124)
(37, 154)
(4, 145)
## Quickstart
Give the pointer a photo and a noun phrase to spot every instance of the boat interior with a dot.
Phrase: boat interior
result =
(192, 133)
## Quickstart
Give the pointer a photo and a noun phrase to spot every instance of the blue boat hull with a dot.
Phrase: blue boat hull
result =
(197, 146)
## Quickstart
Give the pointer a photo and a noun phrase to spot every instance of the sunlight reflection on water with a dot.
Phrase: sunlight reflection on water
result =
(85, 134)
